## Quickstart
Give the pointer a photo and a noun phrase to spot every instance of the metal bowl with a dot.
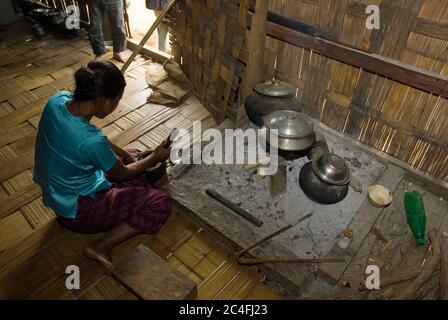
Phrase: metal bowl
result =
(294, 131)
(332, 169)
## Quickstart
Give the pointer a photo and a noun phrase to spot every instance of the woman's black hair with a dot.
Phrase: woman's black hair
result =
(99, 79)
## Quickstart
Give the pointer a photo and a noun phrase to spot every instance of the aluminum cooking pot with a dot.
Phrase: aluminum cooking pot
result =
(294, 131)
(319, 190)
(268, 97)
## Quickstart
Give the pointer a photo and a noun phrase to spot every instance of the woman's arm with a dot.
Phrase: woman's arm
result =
(126, 156)
(121, 172)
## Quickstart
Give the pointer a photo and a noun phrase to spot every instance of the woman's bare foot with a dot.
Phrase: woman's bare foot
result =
(119, 56)
(101, 256)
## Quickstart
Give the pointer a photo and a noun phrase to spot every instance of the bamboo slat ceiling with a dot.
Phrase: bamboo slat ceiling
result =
(209, 40)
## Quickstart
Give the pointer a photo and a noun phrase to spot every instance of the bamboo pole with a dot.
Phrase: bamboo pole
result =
(147, 35)
(256, 49)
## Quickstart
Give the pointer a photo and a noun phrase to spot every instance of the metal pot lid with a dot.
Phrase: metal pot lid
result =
(275, 88)
(332, 169)
(290, 124)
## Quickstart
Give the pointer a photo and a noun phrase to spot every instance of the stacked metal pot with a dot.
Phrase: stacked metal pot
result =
(273, 105)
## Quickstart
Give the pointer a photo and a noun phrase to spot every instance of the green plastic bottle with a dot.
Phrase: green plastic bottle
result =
(415, 211)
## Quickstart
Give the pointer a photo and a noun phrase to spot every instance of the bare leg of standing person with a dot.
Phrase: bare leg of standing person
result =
(162, 31)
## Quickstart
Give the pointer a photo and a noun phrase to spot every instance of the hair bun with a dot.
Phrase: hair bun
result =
(99, 79)
(85, 84)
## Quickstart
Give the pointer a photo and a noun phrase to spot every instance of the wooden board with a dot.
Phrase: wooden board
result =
(361, 225)
(151, 278)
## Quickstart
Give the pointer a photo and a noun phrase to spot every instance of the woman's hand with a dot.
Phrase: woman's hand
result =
(162, 152)
(121, 172)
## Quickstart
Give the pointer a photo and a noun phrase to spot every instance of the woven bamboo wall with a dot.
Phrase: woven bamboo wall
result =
(208, 41)
(404, 122)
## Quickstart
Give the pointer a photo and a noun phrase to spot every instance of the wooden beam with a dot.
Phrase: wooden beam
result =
(146, 51)
(17, 200)
(433, 29)
(256, 47)
(390, 68)
(256, 50)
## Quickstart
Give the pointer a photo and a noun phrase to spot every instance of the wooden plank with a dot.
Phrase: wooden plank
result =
(390, 68)
(146, 51)
(178, 265)
(37, 213)
(13, 228)
(140, 128)
(29, 246)
(19, 199)
(19, 133)
(213, 285)
(256, 48)
(151, 278)
(239, 286)
(16, 166)
(176, 232)
(27, 279)
(262, 292)
(361, 225)
(18, 182)
(433, 29)
(25, 144)
(23, 100)
(108, 289)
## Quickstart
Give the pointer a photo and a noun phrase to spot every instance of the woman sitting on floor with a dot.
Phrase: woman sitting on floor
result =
(93, 185)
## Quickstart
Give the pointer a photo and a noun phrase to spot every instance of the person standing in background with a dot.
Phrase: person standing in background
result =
(16, 5)
(115, 12)
(162, 29)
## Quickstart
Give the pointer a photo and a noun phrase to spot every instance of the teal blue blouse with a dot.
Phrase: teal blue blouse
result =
(71, 157)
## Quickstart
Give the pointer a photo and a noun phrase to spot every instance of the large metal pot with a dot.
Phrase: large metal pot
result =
(268, 97)
(319, 190)
(293, 131)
